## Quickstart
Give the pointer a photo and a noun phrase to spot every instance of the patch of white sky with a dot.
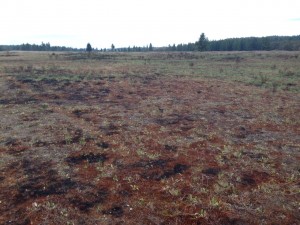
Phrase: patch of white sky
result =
(140, 22)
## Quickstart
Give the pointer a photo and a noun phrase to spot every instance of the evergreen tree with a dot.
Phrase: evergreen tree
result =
(179, 47)
(112, 47)
(150, 47)
(174, 47)
(88, 48)
(202, 44)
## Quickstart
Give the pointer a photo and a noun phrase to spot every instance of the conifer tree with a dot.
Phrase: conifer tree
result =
(150, 47)
(88, 48)
(202, 44)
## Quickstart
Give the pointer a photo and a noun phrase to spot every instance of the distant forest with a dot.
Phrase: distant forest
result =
(288, 43)
(35, 47)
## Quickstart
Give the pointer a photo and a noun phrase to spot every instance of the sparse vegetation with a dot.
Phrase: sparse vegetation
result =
(149, 138)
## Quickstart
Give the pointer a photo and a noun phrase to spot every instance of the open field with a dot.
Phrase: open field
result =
(150, 138)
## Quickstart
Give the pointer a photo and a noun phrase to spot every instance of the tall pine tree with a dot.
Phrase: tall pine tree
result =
(150, 47)
(88, 48)
(202, 44)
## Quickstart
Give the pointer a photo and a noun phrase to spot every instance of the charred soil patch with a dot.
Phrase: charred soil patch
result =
(90, 158)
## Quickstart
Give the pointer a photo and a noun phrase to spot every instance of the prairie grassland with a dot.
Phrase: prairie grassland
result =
(265, 69)
(149, 138)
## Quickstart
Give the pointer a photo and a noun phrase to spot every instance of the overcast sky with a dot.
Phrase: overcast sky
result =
(140, 22)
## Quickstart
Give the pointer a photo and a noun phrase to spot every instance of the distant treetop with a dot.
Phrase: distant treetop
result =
(88, 47)
(202, 44)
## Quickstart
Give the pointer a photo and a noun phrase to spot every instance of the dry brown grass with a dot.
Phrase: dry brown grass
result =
(149, 139)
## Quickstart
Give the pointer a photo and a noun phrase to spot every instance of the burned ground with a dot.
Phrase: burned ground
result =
(128, 144)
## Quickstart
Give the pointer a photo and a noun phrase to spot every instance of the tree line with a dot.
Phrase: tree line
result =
(34, 47)
(288, 43)
(113, 48)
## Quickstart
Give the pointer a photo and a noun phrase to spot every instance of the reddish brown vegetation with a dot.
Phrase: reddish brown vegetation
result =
(152, 150)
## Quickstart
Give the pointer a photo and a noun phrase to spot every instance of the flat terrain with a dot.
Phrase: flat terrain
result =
(150, 138)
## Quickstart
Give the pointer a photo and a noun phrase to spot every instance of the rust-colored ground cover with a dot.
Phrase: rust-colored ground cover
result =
(122, 147)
